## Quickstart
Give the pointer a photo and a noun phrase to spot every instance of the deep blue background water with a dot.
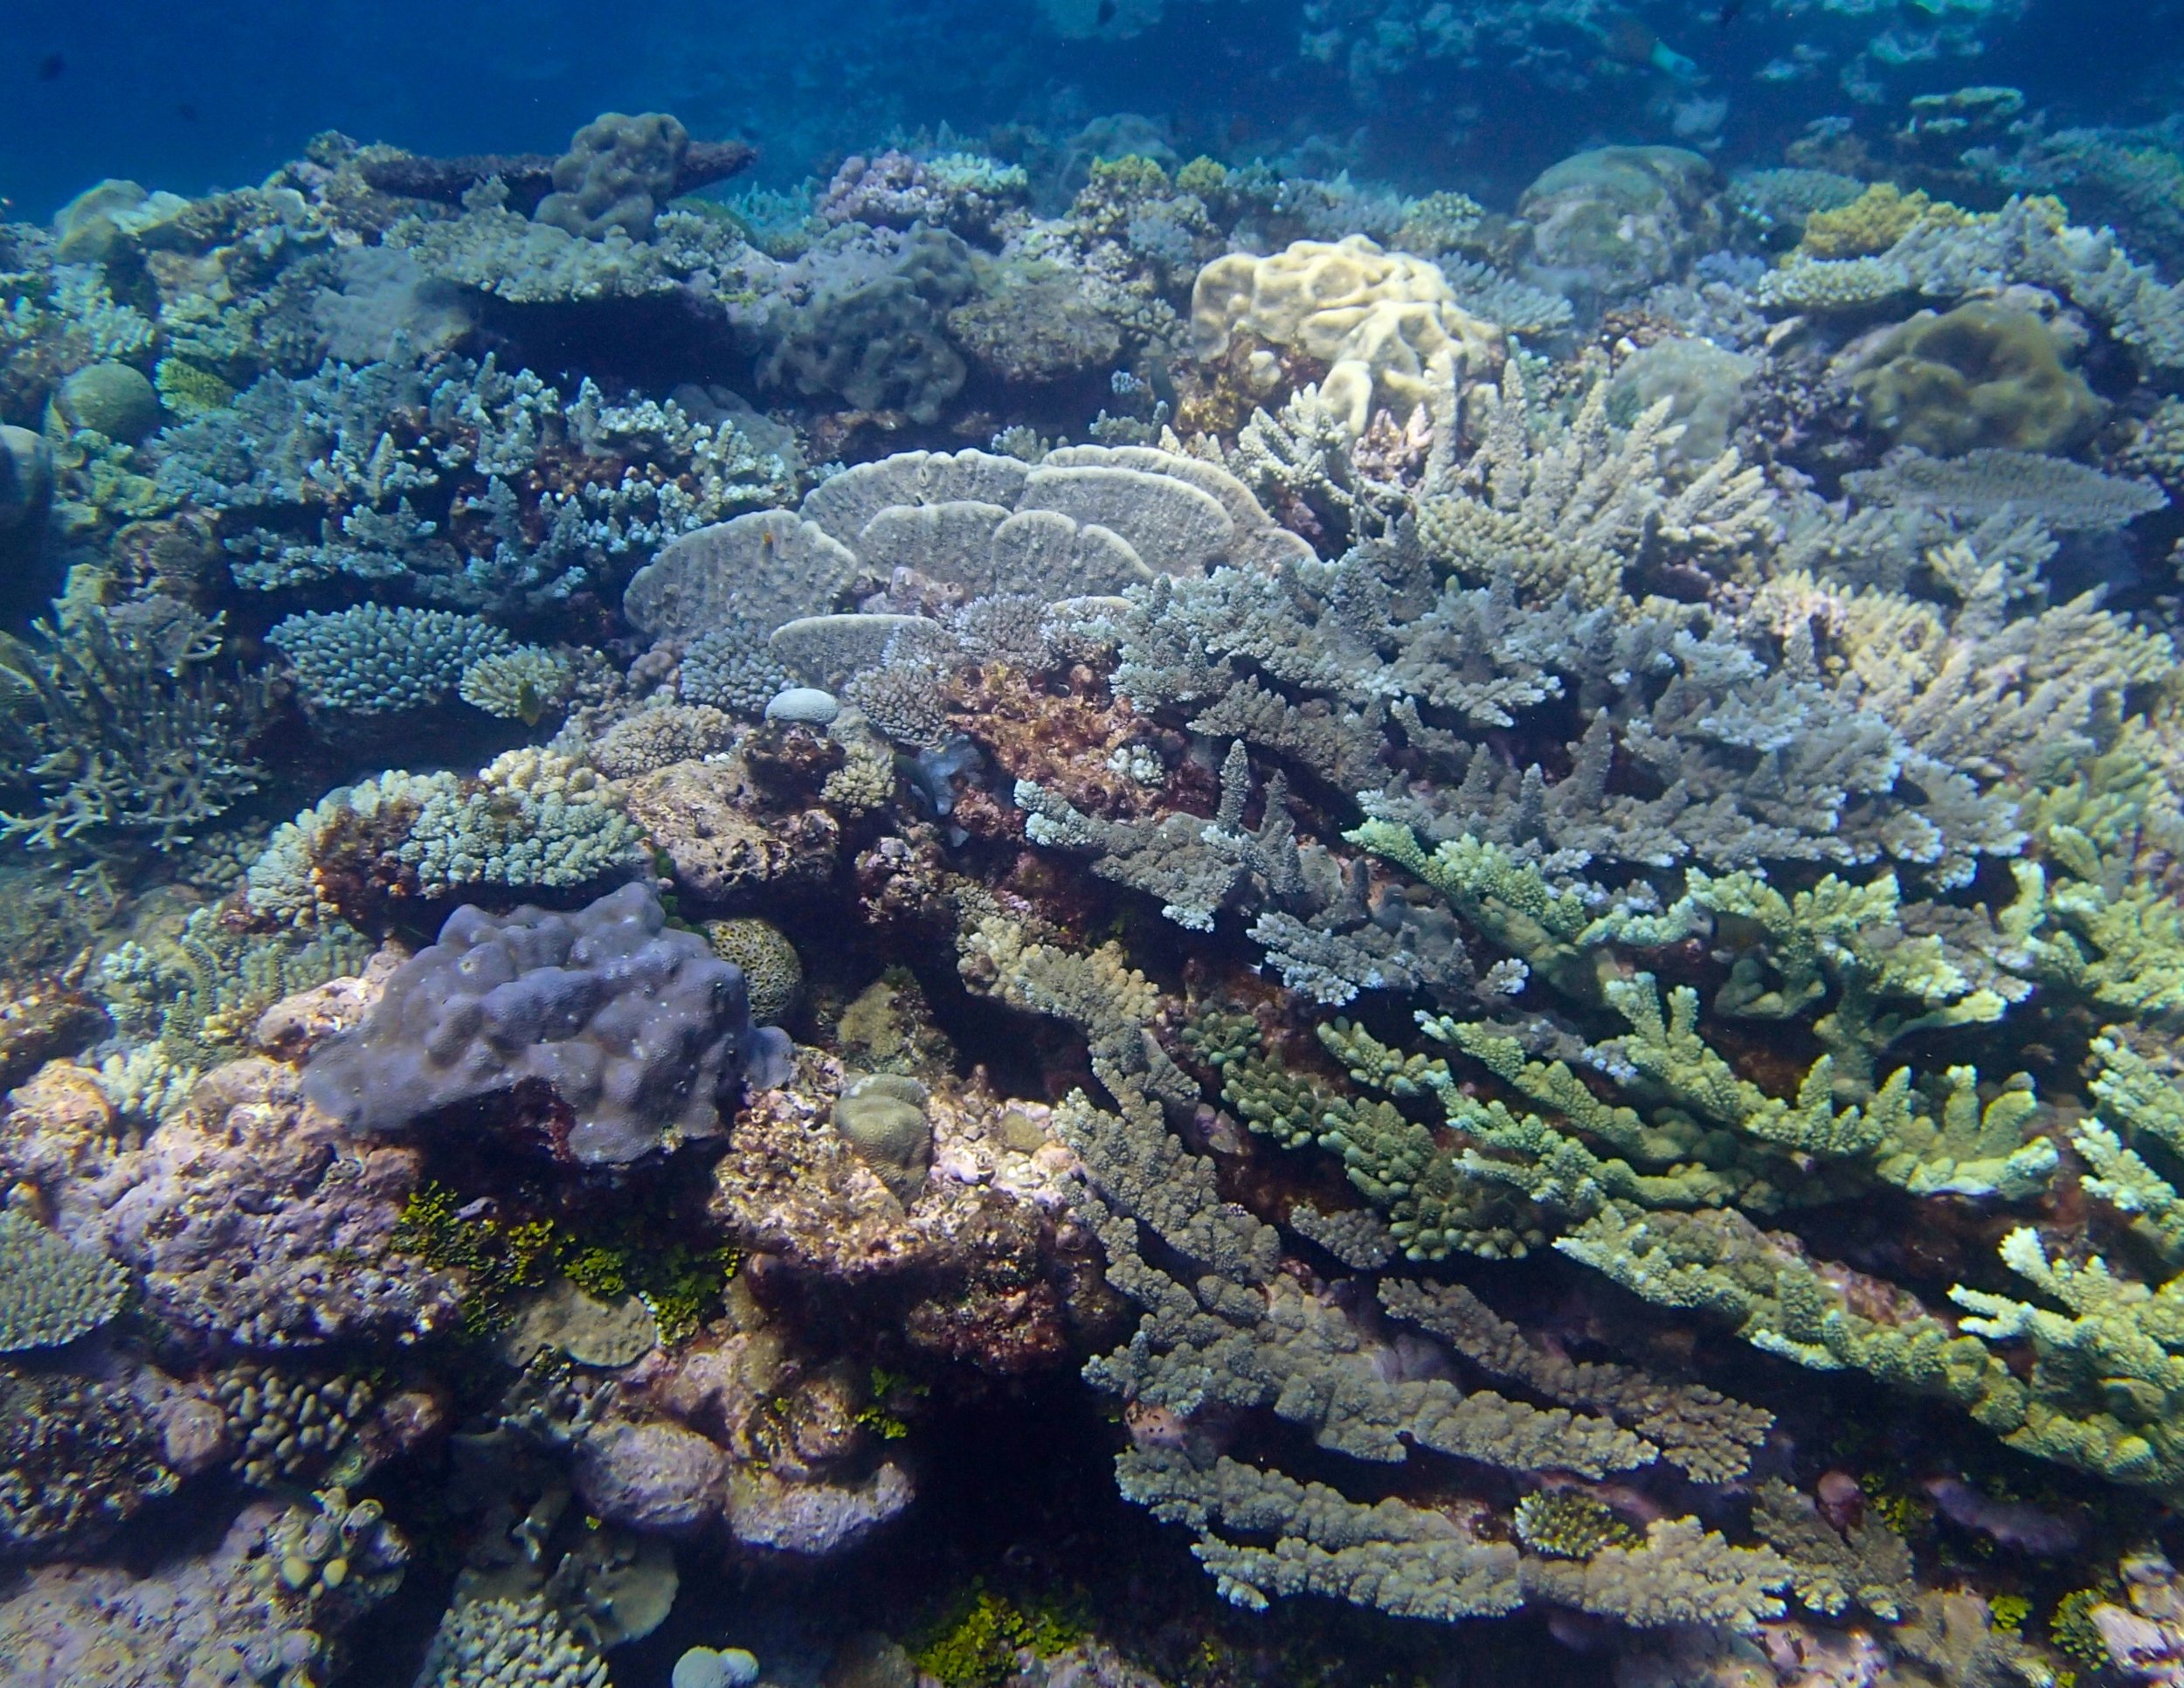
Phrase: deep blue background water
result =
(191, 96)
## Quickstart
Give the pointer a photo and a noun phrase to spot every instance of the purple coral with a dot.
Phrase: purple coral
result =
(890, 189)
(641, 1034)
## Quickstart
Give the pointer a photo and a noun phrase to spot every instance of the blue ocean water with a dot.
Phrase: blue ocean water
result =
(192, 99)
(1144, 843)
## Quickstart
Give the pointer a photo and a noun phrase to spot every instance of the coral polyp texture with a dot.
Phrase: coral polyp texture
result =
(1091, 902)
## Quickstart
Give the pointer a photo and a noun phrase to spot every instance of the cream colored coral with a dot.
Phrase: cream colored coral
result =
(1374, 318)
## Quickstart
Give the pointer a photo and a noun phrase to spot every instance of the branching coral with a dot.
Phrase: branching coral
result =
(128, 729)
(51, 1293)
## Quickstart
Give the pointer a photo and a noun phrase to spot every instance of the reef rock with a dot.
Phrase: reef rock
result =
(721, 846)
(652, 1477)
(255, 1222)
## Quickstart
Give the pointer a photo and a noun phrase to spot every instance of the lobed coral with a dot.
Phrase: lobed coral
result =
(644, 1040)
(1373, 320)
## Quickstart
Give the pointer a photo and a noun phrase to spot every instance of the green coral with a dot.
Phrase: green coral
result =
(497, 1257)
(1570, 1523)
(977, 1644)
(2097, 927)
(188, 391)
(683, 1285)
(2071, 1629)
(601, 1273)
(51, 1293)
(1849, 938)
(680, 1283)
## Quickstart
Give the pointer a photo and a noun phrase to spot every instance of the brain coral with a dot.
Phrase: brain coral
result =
(1373, 317)
(1979, 376)
(638, 1031)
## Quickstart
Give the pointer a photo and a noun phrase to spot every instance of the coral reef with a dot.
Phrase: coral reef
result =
(1371, 321)
(1481, 894)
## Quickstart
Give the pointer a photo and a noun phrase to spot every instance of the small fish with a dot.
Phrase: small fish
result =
(1106, 13)
(1728, 15)
(51, 66)
(187, 112)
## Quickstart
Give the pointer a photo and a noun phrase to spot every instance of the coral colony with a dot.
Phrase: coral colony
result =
(1093, 866)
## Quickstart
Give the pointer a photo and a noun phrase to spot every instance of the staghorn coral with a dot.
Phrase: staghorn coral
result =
(125, 729)
(1704, 1433)
(1249, 1336)
(1868, 1563)
(1567, 514)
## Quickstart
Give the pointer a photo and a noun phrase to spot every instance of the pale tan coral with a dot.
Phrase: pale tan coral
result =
(1375, 319)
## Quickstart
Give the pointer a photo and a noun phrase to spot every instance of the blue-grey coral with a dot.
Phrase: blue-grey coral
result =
(533, 818)
(313, 484)
(639, 1033)
(2066, 497)
(376, 658)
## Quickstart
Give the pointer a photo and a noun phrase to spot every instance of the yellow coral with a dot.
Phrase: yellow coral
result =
(1374, 318)
(1875, 220)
